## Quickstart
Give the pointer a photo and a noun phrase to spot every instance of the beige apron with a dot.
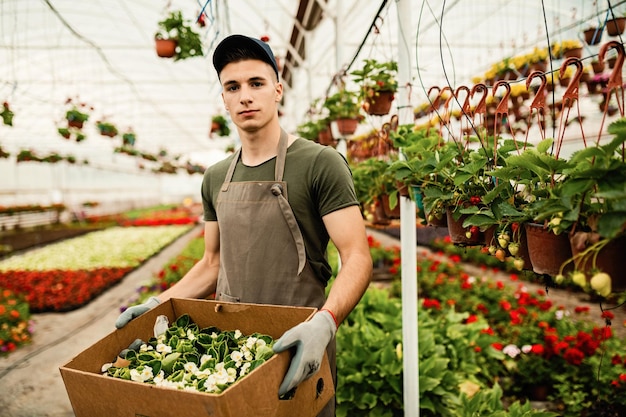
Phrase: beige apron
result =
(262, 253)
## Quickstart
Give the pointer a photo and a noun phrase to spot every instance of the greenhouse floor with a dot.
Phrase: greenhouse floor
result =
(30, 381)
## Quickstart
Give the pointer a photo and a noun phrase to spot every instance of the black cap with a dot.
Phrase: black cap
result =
(260, 50)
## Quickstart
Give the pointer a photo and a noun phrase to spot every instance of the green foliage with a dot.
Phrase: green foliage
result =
(377, 76)
(188, 42)
(343, 105)
(221, 123)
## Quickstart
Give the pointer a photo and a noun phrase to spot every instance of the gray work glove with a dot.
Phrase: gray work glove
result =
(310, 339)
(135, 311)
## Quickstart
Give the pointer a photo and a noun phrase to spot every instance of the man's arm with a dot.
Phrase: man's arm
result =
(347, 231)
(201, 280)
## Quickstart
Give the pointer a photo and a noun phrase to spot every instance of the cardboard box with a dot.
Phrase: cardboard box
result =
(93, 394)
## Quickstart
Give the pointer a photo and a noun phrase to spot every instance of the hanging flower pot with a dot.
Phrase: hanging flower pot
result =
(615, 27)
(547, 251)
(378, 103)
(347, 126)
(379, 216)
(597, 66)
(325, 136)
(574, 52)
(460, 235)
(165, 48)
(593, 35)
(607, 258)
(392, 213)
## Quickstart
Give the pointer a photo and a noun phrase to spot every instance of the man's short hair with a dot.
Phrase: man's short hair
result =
(236, 48)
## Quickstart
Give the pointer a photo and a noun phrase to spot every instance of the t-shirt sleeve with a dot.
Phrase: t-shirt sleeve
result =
(333, 182)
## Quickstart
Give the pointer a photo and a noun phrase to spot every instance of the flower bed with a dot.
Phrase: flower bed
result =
(69, 274)
(15, 328)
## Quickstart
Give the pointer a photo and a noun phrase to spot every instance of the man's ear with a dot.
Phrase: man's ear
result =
(279, 91)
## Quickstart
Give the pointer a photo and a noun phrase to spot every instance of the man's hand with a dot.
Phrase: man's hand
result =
(310, 339)
(135, 311)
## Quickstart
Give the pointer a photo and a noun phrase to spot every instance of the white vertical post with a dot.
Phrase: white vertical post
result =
(408, 239)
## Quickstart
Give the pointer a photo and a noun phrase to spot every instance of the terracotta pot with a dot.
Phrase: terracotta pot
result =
(593, 36)
(546, 250)
(165, 48)
(379, 103)
(615, 27)
(389, 212)
(458, 232)
(380, 218)
(325, 137)
(75, 123)
(611, 61)
(347, 126)
(597, 66)
(609, 260)
(574, 52)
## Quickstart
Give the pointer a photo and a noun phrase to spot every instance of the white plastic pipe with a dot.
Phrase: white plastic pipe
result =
(408, 239)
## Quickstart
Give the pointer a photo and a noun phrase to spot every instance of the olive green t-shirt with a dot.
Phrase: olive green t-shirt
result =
(318, 180)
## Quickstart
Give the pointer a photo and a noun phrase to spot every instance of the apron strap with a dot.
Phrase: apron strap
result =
(290, 219)
(281, 156)
(231, 170)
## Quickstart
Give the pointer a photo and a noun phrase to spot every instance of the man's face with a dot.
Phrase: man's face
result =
(250, 93)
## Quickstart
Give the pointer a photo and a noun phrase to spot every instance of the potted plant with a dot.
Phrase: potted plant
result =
(567, 48)
(64, 132)
(373, 187)
(76, 117)
(129, 138)
(616, 26)
(343, 108)
(7, 114)
(593, 35)
(106, 128)
(176, 38)
(219, 125)
(593, 196)
(378, 85)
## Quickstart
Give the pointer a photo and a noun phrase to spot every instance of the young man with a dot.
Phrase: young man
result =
(269, 211)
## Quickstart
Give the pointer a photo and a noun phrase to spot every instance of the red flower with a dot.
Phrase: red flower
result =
(471, 319)
(581, 310)
(616, 360)
(574, 356)
(537, 349)
(497, 346)
(608, 315)
(431, 303)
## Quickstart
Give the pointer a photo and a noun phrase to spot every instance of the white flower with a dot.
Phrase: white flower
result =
(145, 348)
(191, 335)
(163, 348)
(559, 314)
(214, 335)
(244, 368)
(190, 368)
(237, 357)
(250, 342)
(237, 334)
(141, 375)
(159, 378)
(511, 350)
(527, 348)
(205, 358)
